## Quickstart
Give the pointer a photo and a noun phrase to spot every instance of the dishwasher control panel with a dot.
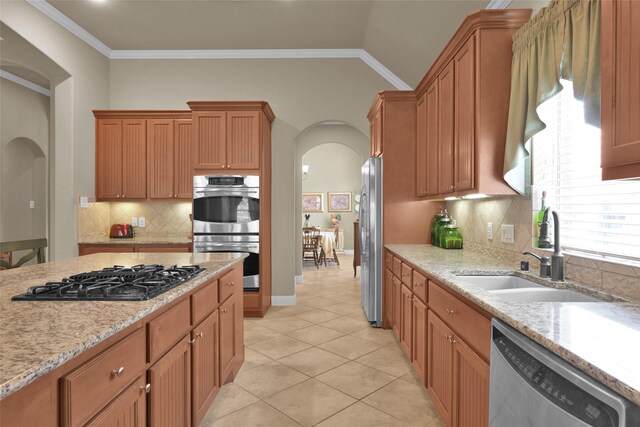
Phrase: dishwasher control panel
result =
(554, 387)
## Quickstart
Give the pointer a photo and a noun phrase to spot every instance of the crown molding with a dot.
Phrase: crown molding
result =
(498, 4)
(92, 41)
(23, 82)
(71, 26)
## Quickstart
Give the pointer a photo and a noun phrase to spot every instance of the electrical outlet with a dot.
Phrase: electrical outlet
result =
(32, 204)
(84, 202)
(507, 233)
(134, 221)
(142, 223)
(489, 231)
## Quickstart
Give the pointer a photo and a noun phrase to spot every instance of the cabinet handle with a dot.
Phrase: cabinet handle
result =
(123, 196)
(146, 388)
(449, 338)
(231, 283)
(449, 312)
(118, 196)
(117, 372)
(195, 338)
(228, 166)
(224, 311)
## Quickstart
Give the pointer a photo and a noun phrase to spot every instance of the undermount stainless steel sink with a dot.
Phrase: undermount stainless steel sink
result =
(542, 294)
(514, 288)
(491, 283)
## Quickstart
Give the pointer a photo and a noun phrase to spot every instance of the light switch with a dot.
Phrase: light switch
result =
(507, 233)
(32, 204)
(84, 202)
(142, 223)
(134, 221)
(489, 231)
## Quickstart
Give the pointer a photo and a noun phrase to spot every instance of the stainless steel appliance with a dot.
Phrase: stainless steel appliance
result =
(532, 387)
(226, 218)
(371, 240)
(117, 283)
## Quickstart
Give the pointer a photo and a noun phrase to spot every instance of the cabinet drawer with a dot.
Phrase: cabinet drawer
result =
(474, 328)
(388, 260)
(87, 389)
(397, 267)
(168, 328)
(204, 301)
(406, 275)
(229, 283)
(420, 286)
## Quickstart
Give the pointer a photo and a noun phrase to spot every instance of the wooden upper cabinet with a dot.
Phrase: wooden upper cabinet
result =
(464, 134)
(134, 159)
(421, 147)
(620, 79)
(446, 83)
(160, 139)
(210, 130)
(183, 165)
(243, 140)
(108, 158)
(432, 160)
(377, 136)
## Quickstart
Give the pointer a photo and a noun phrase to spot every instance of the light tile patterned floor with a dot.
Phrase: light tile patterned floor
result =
(319, 363)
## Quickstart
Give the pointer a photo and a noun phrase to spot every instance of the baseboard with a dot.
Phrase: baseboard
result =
(299, 279)
(348, 251)
(283, 300)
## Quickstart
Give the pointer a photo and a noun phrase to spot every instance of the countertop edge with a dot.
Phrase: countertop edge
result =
(31, 375)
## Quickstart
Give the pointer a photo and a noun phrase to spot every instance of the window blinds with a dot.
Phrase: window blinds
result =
(597, 217)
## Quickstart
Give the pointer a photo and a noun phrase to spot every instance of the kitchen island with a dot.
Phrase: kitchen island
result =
(48, 339)
(600, 338)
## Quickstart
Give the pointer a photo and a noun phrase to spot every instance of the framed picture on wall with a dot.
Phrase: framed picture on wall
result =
(312, 202)
(339, 202)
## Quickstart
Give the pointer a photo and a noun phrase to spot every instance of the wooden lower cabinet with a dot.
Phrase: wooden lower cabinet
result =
(129, 409)
(419, 341)
(406, 323)
(231, 337)
(470, 387)
(88, 249)
(170, 395)
(205, 378)
(387, 304)
(440, 365)
(397, 305)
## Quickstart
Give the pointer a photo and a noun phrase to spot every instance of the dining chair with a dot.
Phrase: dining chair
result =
(35, 245)
(311, 243)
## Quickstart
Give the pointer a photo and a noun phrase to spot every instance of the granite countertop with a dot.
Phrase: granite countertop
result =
(100, 239)
(600, 338)
(38, 336)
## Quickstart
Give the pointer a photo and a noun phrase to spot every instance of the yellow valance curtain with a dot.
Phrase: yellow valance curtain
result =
(561, 42)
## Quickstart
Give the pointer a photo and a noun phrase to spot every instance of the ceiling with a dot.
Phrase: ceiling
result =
(406, 36)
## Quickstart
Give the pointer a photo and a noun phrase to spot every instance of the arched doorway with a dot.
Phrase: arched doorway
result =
(321, 139)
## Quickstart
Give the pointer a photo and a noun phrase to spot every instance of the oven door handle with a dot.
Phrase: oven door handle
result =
(230, 245)
(227, 190)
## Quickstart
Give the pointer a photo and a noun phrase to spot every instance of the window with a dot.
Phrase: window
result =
(596, 217)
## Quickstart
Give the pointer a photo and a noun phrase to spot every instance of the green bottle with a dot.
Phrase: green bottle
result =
(538, 219)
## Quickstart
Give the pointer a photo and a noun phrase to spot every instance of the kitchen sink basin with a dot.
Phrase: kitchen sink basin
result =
(542, 294)
(491, 283)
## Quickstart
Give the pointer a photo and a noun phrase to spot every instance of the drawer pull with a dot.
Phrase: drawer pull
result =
(195, 338)
(449, 312)
(224, 311)
(118, 372)
(146, 388)
(231, 283)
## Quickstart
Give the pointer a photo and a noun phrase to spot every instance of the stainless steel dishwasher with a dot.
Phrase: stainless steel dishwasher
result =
(532, 387)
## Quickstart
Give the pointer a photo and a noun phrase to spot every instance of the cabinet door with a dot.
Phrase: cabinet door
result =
(183, 166)
(134, 159)
(440, 365)
(465, 89)
(206, 371)
(229, 313)
(445, 128)
(210, 133)
(421, 147)
(108, 159)
(160, 134)
(397, 304)
(433, 154)
(620, 89)
(470, 387)
(406, 323)
(419, 342)
(129, 409)
(387, 304)
(243, 140)
(170, 396)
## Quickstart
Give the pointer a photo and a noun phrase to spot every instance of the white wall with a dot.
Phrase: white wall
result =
(72, 158)
(302, 92)
(333, 167)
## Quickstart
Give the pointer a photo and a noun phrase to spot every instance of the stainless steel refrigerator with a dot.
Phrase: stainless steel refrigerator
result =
(371, 240)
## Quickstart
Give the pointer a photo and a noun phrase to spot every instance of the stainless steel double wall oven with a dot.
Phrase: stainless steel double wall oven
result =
(226, 218)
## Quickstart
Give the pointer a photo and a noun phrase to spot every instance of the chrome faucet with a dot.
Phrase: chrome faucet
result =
(557, 259)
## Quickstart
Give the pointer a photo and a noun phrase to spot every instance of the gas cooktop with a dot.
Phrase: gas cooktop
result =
(117, 283)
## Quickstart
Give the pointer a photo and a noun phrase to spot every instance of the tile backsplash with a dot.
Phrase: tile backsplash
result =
(162, 219)
(473, 215)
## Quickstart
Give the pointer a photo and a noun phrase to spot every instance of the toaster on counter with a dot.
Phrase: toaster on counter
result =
(121, 231)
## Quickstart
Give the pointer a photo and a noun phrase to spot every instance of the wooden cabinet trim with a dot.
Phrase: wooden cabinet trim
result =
(142, 114)
(233, 106)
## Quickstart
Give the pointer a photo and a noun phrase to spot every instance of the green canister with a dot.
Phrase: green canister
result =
(451, 237)
(442, 223)
(434, 226)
